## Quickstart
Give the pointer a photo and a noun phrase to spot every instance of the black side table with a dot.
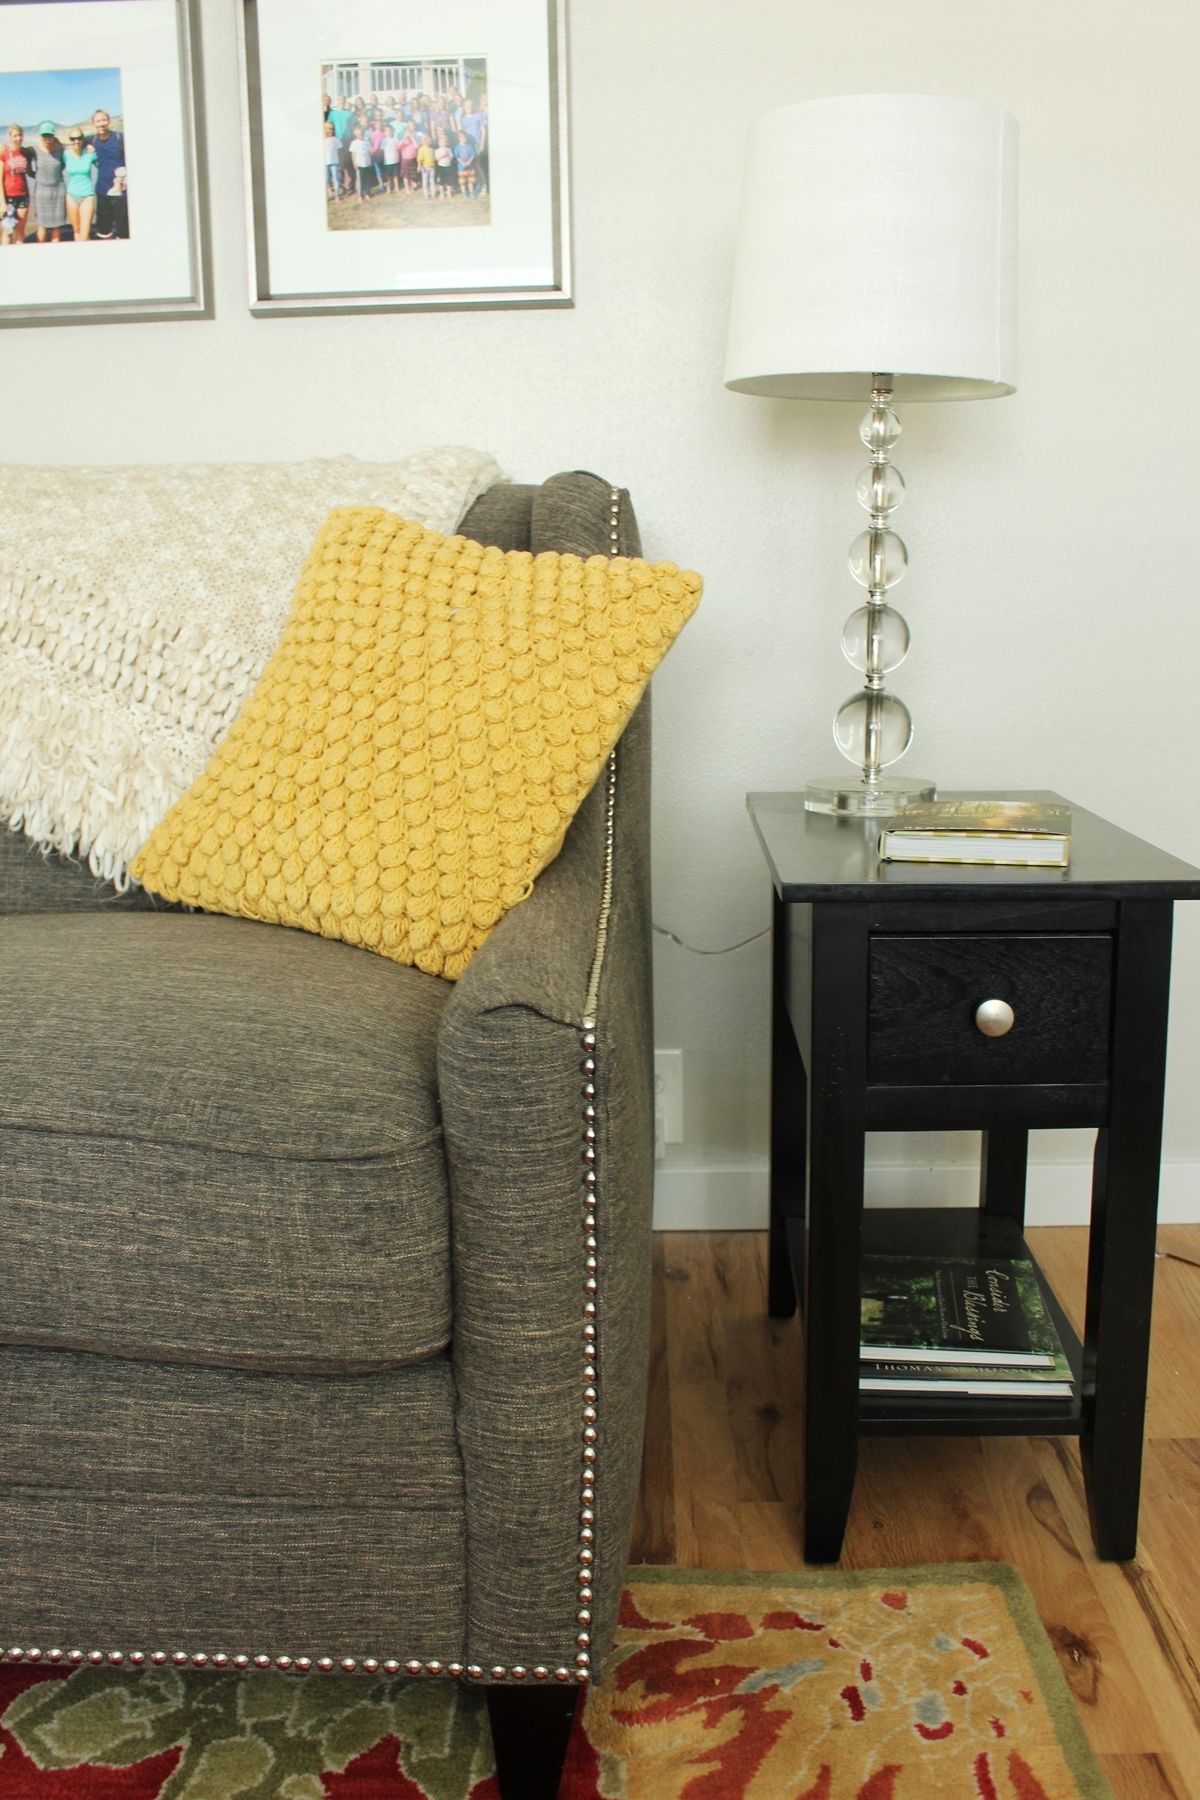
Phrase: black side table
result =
(878, 969)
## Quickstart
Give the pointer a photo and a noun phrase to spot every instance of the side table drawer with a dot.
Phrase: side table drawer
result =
(923, 993)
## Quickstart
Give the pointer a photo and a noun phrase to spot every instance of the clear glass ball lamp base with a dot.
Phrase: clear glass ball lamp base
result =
(859, 799)
(873, 728)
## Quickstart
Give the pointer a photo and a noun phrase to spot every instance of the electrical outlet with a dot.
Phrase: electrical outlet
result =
(668, 1097)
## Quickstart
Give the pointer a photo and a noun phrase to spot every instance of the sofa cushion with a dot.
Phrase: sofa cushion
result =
(219, 1143)
(32, 880)
(432, 718)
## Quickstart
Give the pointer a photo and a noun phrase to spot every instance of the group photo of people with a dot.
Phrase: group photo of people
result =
(62, 158)
(406, 143)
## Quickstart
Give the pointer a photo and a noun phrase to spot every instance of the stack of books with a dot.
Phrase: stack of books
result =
(1020, 833)
(959, 1326)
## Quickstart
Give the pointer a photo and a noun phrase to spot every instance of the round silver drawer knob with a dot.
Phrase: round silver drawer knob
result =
(994, 1017)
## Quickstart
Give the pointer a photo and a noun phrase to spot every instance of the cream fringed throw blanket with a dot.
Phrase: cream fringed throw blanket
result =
(138, 607)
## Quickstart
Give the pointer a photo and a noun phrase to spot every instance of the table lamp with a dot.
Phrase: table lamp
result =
(876, 261)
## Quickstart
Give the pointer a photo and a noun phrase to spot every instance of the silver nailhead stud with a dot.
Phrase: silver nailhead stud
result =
(325, 1664)
(348, 1665)
(241, 1660)
(518, 1672)
(95, 1657)
(498, 1673)
(431, 1668)
(455, 1669)
(283, 1662)
(474, 1671)
(262, 1662)
(541, 1672)
(54, 1656)
(412, 1667)
(562, 1674)
(391, 1666)
(303, 1663)
(370, 1664)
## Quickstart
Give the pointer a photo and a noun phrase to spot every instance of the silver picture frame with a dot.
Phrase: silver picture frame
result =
(191, 257)
(271, 99)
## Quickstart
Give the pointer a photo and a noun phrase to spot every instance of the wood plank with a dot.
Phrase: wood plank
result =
(699, 1301)
(1149, 1777)
(1173, 1395)
(654, 1523)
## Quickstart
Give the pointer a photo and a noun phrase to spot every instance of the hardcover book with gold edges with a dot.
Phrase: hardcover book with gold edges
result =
(1014, 832)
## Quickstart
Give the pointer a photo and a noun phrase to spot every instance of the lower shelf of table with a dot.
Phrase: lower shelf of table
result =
(959, 1231)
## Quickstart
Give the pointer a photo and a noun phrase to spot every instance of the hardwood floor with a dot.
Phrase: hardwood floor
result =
(721, 1489)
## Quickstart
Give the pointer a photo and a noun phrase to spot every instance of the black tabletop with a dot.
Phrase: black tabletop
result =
(815, 856)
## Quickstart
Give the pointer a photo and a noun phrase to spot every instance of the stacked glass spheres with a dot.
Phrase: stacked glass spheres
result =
(873, 728)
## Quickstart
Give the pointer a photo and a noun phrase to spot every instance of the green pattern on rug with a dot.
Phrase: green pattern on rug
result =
(259, 1736)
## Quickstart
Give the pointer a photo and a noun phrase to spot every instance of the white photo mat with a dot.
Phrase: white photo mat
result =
(159, 271)
(519, 258)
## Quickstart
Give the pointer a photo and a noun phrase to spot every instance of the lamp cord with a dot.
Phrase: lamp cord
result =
(1174, 1256)
(719, 950)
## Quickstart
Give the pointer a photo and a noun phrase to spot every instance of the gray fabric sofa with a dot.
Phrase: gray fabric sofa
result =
(323, 1310)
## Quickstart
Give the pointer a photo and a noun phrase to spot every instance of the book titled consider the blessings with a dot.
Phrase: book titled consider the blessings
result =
(958, 1310)
(1015, 832)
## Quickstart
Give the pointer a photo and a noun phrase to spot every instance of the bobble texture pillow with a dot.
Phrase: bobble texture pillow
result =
(421, 738)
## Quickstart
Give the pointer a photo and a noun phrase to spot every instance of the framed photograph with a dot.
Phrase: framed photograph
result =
(99, 145)
(405, 156)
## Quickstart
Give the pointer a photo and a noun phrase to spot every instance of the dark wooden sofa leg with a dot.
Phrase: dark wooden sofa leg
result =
(530, 1730)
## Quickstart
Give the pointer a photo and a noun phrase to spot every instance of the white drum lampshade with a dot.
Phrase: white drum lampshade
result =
(876, 260)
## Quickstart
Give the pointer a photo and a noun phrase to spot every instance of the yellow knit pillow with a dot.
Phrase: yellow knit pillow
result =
(421, 738)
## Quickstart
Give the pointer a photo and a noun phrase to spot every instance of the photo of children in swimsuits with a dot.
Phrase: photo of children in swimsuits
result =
(64, 172)
(405, 140)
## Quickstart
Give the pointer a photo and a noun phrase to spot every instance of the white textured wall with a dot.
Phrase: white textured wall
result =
(1052, 593)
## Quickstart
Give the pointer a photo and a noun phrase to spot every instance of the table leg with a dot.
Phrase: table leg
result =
(1002, 1171)
(1120, 1284)
(789, 1129)
(831, 1308)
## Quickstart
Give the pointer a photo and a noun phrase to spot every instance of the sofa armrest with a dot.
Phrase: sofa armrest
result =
(516, 1085)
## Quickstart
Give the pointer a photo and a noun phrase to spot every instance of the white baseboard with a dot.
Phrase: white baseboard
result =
(733, 1197)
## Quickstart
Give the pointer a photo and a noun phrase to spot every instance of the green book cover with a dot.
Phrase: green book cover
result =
(957, 1310)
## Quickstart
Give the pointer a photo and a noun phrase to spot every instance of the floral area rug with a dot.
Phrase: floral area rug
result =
(902, 1684)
